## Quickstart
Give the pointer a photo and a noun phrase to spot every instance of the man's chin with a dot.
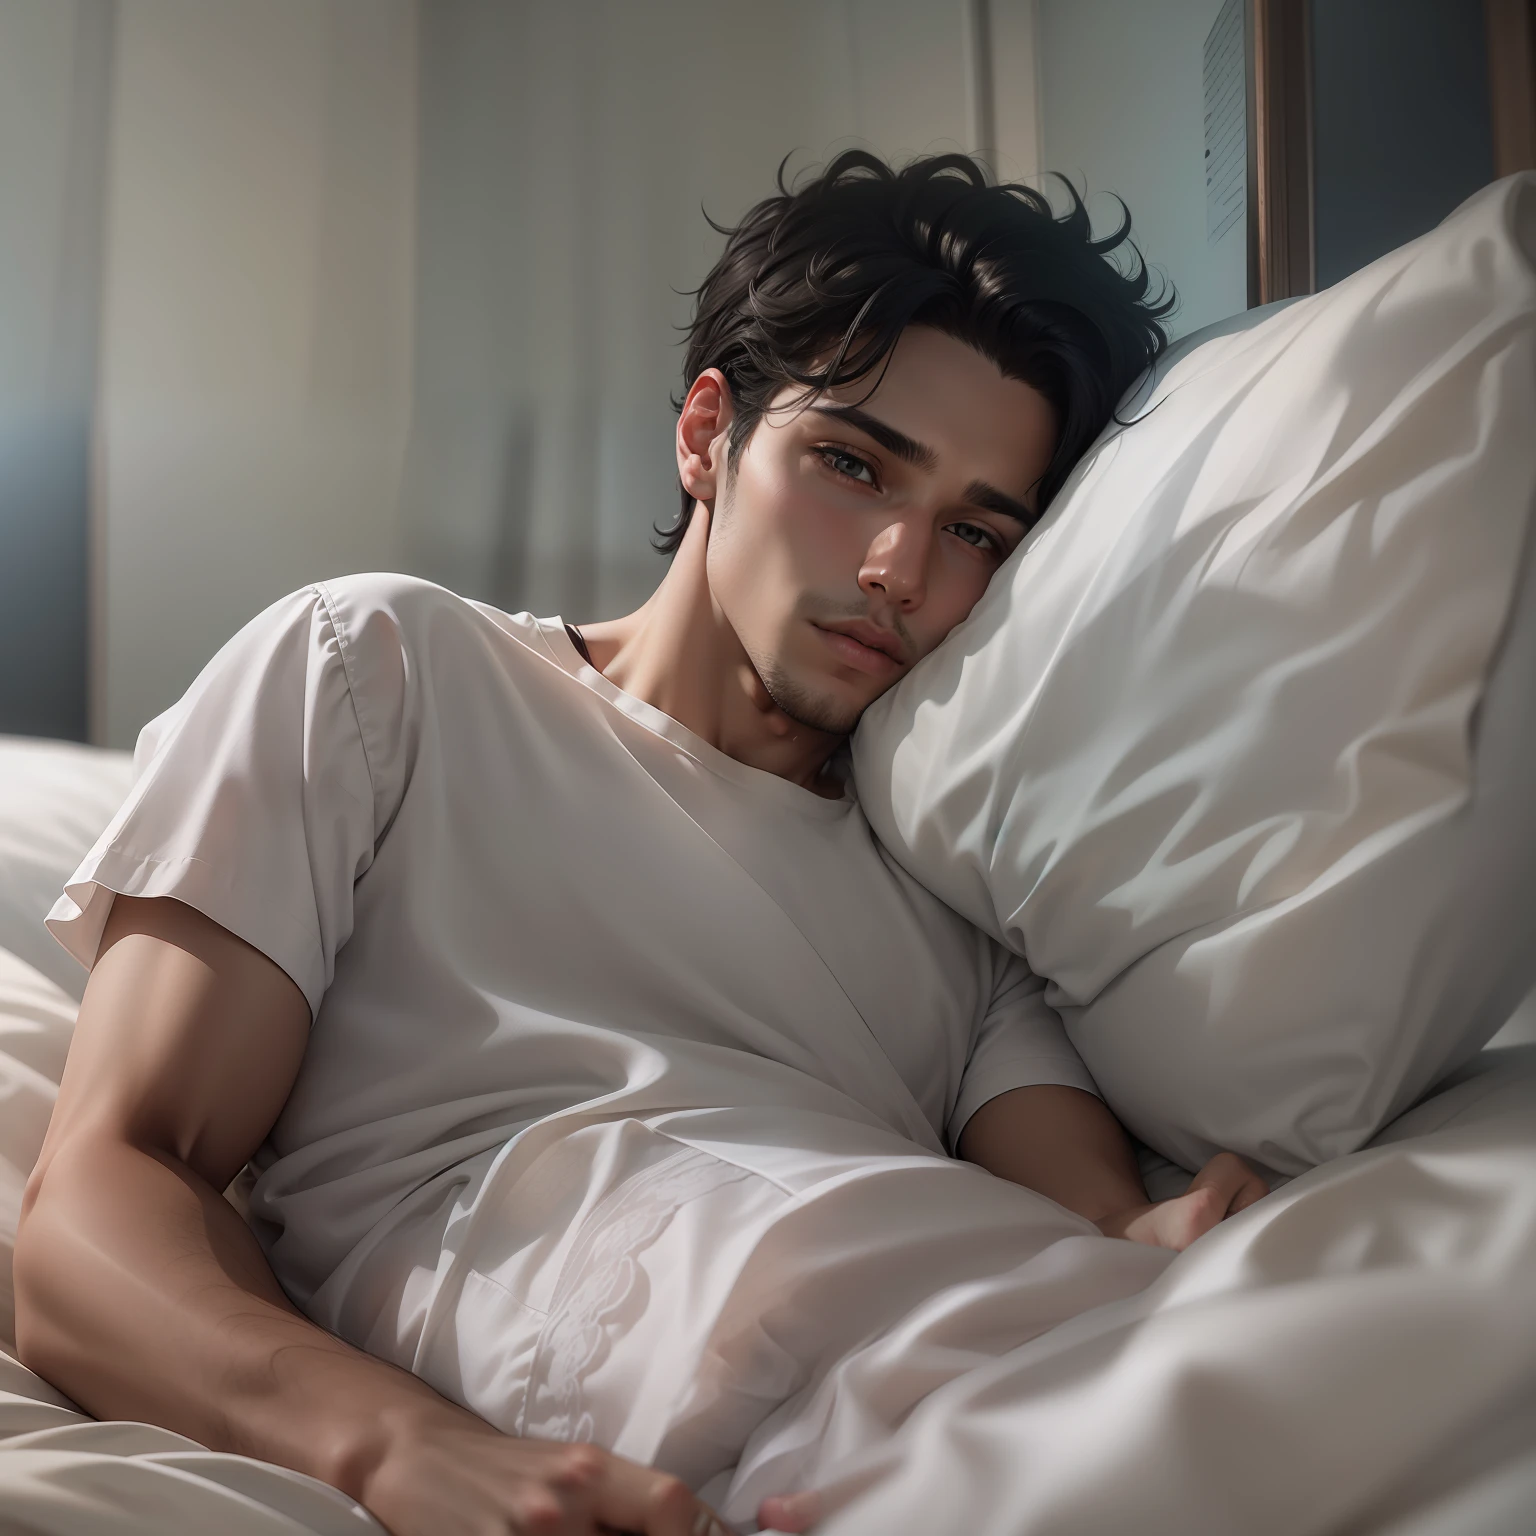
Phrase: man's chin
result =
(818, 711)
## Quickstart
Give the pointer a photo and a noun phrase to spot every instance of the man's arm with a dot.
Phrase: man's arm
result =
(142, 1294)
(1065, 1144)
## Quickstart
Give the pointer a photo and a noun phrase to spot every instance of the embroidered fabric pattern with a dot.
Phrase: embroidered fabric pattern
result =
(603, 1289)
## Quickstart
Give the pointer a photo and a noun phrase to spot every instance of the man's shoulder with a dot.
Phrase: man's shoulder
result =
(385, 610)
(408, 601)
(416, 655)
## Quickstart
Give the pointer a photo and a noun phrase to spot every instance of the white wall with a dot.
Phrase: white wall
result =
(54, 59)
(320, 355)
(1122, 107)
(568, 152)
(48, 353)
(254, 393)
(1017, 127)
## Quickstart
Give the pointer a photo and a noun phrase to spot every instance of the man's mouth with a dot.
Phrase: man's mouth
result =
(863, 646)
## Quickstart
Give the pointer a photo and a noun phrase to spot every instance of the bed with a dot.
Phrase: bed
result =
(1355, 1354)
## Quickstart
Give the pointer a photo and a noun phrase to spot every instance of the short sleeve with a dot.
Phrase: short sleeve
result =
(1020, 1043)
(253, 799)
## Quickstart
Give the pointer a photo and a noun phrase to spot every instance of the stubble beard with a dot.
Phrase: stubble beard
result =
(806, 708)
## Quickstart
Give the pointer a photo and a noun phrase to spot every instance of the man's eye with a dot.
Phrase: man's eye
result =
(982, 538)
(849, 464)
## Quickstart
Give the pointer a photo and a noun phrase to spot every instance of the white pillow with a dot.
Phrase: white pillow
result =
(55, 798)
(36, 1022)
(1237, 751)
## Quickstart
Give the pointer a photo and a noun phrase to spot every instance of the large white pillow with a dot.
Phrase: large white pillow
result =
(1240, 750)
(55, 798)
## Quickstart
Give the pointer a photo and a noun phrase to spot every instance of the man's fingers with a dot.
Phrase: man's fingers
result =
(1172, 1223)
(1223, 1187)
(791, 1513)
(565, 1496)
(1192, 1215)
(1254, 1189)
(634, 1498)
(1235, 1184)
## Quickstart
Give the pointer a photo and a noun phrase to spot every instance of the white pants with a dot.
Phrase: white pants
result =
(742, 1297)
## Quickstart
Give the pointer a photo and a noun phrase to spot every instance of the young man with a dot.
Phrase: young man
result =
(596, 1064)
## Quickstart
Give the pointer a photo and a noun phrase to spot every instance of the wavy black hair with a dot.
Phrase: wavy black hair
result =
(839, 266)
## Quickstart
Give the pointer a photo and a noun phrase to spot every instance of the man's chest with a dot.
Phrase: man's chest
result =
(596, 889)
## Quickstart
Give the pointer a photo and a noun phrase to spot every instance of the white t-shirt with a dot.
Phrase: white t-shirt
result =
(509, 891)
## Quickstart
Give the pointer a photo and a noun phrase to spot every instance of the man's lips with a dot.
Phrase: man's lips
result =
(864, 646)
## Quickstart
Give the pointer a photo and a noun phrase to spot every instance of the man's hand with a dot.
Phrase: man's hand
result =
(1066, 1144)
(444, 1477)
(1223, 1187)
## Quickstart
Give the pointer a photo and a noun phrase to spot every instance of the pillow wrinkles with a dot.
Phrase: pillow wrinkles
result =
(1223, 751)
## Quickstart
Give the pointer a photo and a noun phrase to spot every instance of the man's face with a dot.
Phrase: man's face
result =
(854, 534)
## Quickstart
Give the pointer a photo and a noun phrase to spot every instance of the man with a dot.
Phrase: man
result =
(596, 1064)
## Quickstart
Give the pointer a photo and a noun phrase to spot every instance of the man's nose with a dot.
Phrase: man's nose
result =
(896, 565)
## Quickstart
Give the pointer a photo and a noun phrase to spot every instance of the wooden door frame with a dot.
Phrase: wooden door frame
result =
(1511, 32)
(1282, 258)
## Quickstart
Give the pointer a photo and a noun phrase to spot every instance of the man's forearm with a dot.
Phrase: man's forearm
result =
(1061, 1142)
(143, 1295)
(1066, 1144)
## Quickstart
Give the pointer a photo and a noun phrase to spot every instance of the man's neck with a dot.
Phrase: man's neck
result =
(679, 654)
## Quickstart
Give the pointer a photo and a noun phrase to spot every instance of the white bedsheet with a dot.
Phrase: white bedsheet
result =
(55, 797)
(1356, 1354)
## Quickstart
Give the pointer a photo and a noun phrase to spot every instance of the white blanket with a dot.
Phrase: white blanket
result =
(1357, 1354)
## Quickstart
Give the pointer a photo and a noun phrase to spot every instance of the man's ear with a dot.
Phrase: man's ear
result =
(703, 435)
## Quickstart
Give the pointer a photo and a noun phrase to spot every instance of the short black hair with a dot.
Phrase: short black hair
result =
(841, 265)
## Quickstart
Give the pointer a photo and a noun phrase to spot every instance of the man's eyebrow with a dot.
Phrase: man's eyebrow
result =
(990, 499)
(907, 449)
(910, 451)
